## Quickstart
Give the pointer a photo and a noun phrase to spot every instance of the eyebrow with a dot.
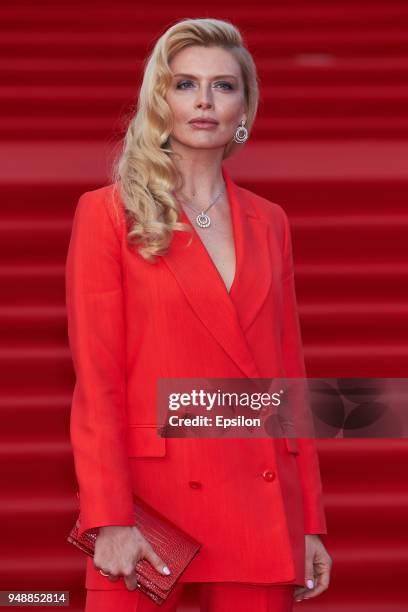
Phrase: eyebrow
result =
(218, 76)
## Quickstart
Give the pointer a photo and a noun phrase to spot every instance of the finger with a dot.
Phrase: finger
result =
(113, 578)
(299, 594)
(321, 586)
(157, 562)
(301, 591)
(309, 573)
(106, 573)
(298, 591)
(131, 582)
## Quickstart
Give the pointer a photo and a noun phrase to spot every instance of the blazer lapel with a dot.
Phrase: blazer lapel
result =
(205, 289)
(251, 286)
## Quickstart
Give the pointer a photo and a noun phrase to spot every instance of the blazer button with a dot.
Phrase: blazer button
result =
(268, 475)
(195, 484)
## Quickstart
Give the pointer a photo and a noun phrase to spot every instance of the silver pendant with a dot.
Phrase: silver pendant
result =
(203, 220)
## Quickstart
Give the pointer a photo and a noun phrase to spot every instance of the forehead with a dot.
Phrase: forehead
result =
(205, 60)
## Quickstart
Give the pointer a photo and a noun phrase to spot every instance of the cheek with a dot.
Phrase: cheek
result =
(178, 107)
(230, 112)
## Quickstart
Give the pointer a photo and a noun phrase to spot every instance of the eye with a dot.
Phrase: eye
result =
(224, 84)
(229, 86)
(180, 83)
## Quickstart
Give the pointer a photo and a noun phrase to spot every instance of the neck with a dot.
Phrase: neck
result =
(201, 174)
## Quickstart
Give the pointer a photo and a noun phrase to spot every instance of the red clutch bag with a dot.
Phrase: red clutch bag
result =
(172, 544)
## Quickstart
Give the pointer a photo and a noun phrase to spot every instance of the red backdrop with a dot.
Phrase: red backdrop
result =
(330, 145)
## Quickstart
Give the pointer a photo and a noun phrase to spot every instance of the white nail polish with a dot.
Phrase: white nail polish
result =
(166, 570)
(310, 584)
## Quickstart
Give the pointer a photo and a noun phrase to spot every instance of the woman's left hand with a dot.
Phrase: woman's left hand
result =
(318, 565)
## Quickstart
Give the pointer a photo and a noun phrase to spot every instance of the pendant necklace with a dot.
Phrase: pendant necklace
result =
(203, 220)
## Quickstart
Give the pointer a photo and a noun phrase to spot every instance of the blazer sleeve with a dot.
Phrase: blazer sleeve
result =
(96, 334)
(308, 462)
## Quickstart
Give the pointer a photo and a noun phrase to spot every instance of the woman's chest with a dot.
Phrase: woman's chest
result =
(217, 244)
(179, 305)
(197, 279)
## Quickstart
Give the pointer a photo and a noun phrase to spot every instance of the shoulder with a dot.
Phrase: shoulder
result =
(267, 210)
(101, 204)
(100, 197)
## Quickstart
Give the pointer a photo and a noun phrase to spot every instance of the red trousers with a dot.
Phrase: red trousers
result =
(213, 596)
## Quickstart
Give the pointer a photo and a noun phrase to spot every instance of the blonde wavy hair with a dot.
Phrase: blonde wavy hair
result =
(144, 174)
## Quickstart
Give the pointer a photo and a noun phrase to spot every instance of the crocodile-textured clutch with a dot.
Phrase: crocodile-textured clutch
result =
(172, 544)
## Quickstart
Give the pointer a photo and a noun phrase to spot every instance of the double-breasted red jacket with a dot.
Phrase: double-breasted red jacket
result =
(130, 322)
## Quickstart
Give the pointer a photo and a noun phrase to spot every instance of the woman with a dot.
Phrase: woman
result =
(175, 271)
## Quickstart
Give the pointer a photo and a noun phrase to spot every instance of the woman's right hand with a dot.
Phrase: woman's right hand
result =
(117, 550)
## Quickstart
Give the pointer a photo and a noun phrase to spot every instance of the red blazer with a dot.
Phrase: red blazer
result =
(130, 322)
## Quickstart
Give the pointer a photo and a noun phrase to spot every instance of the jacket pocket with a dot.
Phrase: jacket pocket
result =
(144, 441)
(292, 445)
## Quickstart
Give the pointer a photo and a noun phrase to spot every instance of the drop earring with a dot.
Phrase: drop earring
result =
(241, 133)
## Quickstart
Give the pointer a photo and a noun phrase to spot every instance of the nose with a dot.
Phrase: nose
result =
(204, 98)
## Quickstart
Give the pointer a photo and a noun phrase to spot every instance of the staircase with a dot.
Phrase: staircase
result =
(330, 145)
